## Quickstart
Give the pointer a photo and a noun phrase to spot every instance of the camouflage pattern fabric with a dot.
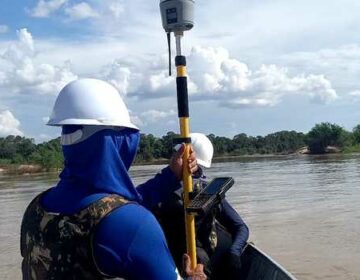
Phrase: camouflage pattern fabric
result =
(56, 246)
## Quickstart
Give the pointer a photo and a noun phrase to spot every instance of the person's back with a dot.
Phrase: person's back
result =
(95, 224)
(57, 246)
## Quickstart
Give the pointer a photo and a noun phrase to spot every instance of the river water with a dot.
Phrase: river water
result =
(303, 211)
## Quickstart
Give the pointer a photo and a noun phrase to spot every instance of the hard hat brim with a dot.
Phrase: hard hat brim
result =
(90, 122)
(203, 163)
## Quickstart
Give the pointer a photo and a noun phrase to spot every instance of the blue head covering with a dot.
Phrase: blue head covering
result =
(100, 163)
(94, 168)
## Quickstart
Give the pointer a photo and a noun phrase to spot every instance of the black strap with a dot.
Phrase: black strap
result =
(180, 140)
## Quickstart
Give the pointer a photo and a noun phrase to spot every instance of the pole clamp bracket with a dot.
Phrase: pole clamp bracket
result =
(180, 60)
(180, 140)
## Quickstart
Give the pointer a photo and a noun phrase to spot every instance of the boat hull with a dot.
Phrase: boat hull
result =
(257, 265)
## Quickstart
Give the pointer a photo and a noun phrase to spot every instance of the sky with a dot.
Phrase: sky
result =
(254, 67)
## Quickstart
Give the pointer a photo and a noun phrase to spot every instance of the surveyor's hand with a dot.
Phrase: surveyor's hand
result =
(193, 274)
(176, 162)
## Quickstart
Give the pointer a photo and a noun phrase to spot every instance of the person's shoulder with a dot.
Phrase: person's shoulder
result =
(126, 220)
(129, 209)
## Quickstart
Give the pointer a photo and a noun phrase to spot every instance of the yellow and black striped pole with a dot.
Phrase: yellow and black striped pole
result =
(184, 121)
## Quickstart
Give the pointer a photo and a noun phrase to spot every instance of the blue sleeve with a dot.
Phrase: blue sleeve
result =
(158, 188)
(237, 227)
(129, 243)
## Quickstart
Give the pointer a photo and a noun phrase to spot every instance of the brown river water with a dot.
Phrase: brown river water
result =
(303, 211)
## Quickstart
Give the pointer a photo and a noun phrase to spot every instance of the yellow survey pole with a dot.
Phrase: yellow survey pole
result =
(184, 121)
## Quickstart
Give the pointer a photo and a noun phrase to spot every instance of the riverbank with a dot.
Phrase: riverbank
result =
(34, 168)
(26, 169)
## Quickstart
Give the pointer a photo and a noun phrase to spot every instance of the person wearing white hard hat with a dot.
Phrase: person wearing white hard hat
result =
(94, 223)
(203, 148)
(221, 234)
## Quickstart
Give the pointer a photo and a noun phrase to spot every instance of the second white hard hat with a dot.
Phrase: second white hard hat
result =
(203, 148)
(90, 102)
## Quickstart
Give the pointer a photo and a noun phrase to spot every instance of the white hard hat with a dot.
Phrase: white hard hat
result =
(90, 102)
(203, 148)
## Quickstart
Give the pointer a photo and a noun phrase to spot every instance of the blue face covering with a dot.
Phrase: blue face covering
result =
(100, 163)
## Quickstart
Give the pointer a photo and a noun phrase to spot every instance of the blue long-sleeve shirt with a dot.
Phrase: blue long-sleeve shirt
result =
(232, 221)
(158, 188)
(129, 242)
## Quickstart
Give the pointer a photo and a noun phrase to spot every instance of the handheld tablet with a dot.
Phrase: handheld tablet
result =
(210, 195)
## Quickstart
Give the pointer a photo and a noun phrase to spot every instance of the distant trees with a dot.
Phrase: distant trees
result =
(326, 134)
(282, 142)
(356, 134)
(244, 145)
(48, 155)
(151, 147)
(222, 145)
(16, 149)
(21, 150)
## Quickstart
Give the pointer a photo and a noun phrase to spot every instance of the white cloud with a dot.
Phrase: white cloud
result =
(123, 19)
(150, 117)
(224, 77)
(156, 115)
(3, 28)
(157, 84)
(106, 12)
(81, 11)
(354, 95)
(136, 120)
(116, 8)
(45, 137)
(344, 57)
(145, 79)
(118, 75)
(9, 125)
(20, 50)
(248, 103)
(24, 74)
(276, 82)
(214, 75)
(44, 9)
(341, 65)
(214, 72)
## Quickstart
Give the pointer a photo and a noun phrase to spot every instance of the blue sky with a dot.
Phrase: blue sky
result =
(254, 67)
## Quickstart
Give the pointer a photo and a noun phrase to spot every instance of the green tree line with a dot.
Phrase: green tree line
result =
(22, 150)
